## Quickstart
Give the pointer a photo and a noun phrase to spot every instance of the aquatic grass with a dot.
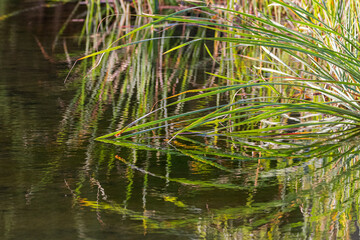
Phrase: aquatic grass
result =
(328, 68)
(254, 110)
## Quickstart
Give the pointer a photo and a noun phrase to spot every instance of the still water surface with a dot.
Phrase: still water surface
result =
(56, 182)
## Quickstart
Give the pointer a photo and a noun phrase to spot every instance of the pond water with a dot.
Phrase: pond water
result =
(57, 182)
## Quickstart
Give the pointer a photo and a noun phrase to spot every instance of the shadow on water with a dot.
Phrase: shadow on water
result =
(56, 182)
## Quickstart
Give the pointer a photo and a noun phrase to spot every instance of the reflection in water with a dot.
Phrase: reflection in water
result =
(57, 183)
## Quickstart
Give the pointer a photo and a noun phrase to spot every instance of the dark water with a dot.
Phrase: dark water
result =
(56, 182)
(35, 203)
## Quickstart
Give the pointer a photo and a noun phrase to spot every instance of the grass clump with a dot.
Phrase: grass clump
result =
(307, 80)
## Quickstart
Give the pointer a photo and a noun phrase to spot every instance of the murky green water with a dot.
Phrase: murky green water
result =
(56, 182)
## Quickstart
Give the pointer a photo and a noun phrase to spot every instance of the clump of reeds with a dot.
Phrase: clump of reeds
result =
(322, 85)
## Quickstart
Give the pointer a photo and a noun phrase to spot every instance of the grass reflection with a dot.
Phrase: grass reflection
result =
(307, 187)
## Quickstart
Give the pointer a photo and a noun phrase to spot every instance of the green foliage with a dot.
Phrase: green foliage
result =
(326, 53)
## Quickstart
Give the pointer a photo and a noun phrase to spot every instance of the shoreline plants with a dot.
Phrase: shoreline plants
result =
(316, 88)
